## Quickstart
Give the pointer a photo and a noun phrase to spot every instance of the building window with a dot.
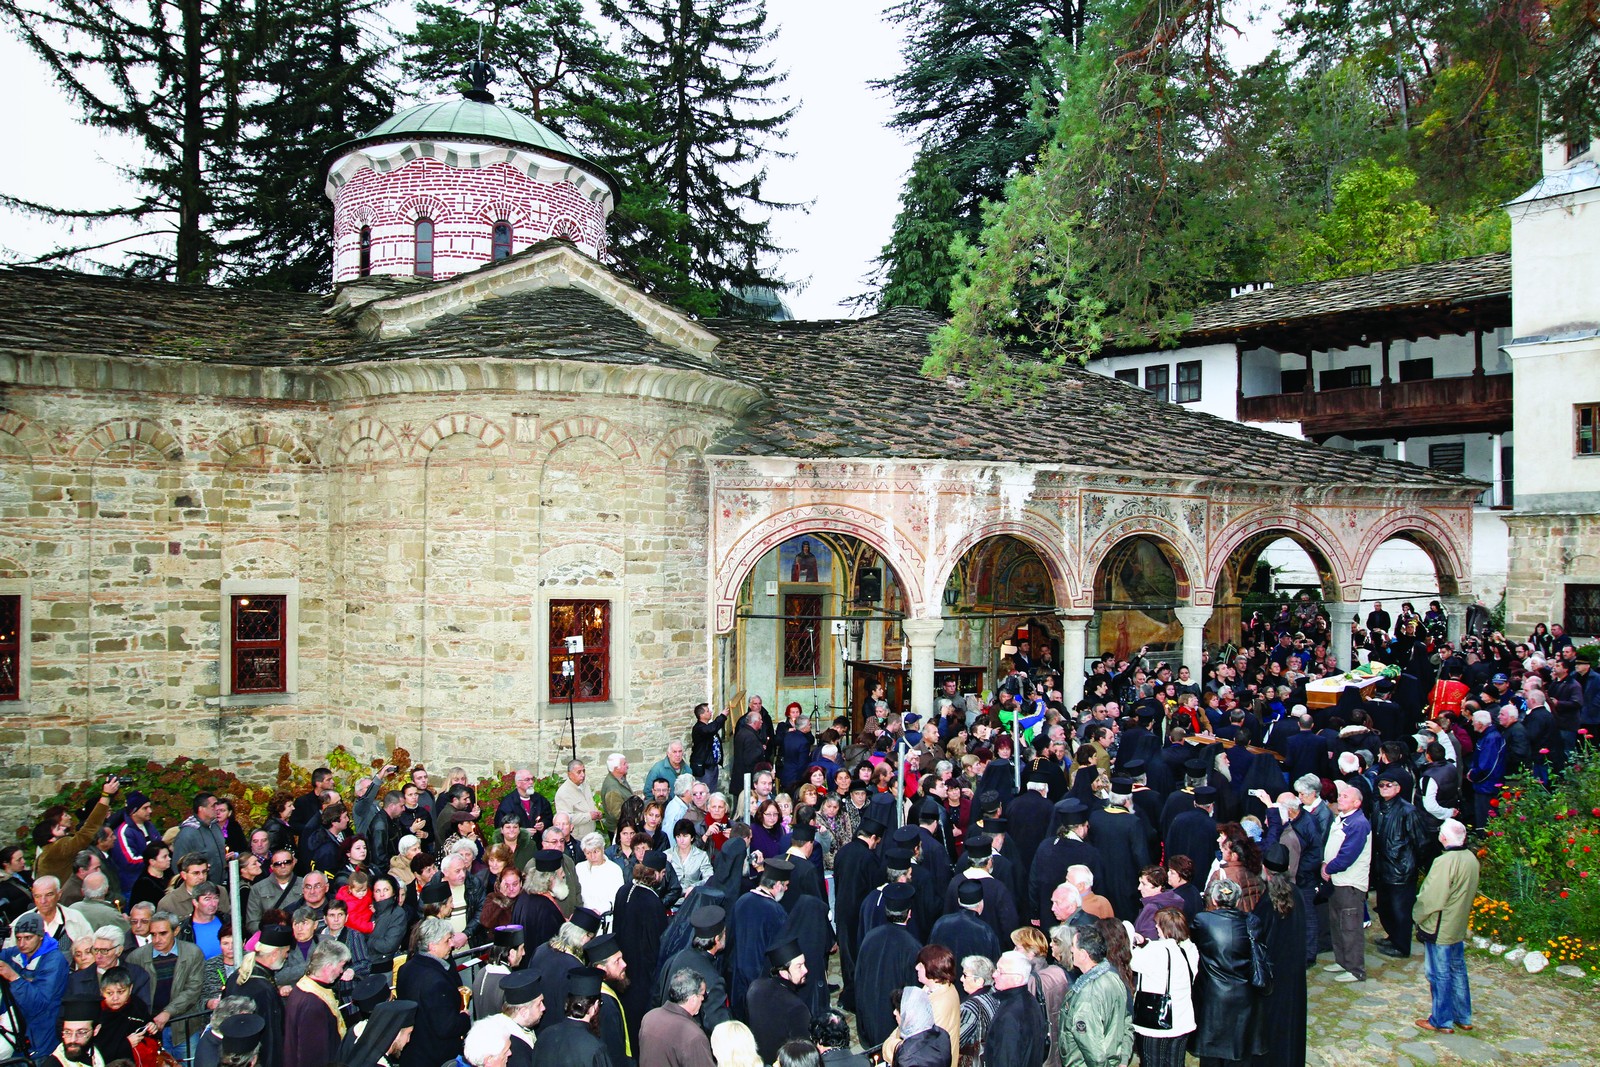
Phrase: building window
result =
(802, 635)
(1507, 481)
(1416, 370)
(1451, 457)
(1583, 610)
(424, 248)
(11, 647)
(1345, 378)
(365, 265)
(258, 644)
(1131, 375)
(1292, 381)
(1188, 382)
(502, 241)
(1576, 147)
(1375, 451)
(1588, 428)
(1156, 380)
(588, 680)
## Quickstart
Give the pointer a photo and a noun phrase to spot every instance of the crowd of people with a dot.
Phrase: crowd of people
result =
(1148, 874)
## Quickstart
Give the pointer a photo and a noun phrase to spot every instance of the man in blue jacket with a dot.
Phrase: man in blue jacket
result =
(1488, 771)
(35, 973)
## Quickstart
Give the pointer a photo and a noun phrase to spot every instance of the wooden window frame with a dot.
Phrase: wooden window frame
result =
(239, 648)
(499, 250)
(1180, 387)
(592, 656)
(12, 665)
(1163, 390)
(422, 266)
(1130, 375)
(1579, 429)
(364, 252)
(796, 625)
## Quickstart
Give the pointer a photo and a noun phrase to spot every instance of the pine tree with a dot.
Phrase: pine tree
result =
(229, 190)
(704, 228)
(916, 266)
(322, 83)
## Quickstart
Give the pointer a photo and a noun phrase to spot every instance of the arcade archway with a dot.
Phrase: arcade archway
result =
(1139, 584)
(1271, 572)
(1001, 592)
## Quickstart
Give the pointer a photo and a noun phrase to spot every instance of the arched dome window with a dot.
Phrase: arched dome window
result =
(365, 265)
(502, 241)
(424, 253)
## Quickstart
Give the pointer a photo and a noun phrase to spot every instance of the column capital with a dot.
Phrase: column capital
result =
(1341, 610)
(922, 632)
(1074, 619)
(1193, 614)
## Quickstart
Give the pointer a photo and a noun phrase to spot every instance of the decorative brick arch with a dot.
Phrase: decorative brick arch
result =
(150, 435)
(878, 531)
(603, 430)
(421, 205)
(690, 437)
(366, 428)
(460, 424)
(1037, 535)
(260, 558)
(13, 571)
(502, 209)
(34, 441)
(1303, 529)
(350, 220)
(1180, 550)
(1429, 533)
(242, 439)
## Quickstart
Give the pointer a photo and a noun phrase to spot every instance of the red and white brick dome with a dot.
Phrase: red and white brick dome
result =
(444, 188)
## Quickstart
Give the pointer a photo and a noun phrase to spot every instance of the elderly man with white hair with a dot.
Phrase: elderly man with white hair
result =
(1347, 865)
(668, 767)
(615, 789)
(1444, 904)
(1018, 1034)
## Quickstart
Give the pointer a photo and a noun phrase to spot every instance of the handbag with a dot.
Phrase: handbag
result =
(1153, 1011)
(1260, 963)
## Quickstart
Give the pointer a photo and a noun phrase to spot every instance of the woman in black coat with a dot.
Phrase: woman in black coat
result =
(1228, 1011)
(1283, 932)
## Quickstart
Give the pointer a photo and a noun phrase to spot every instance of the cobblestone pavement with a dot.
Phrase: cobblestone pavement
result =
(1543, 1020)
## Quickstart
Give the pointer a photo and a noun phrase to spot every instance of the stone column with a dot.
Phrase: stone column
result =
(1074, 629)
(1455, 614)
(1340, 615)
(922, 635)
(1193, 618)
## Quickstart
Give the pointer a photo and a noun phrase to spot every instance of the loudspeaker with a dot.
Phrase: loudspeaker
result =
(869, 586)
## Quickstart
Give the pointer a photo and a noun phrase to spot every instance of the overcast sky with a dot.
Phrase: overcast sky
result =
(845, 164)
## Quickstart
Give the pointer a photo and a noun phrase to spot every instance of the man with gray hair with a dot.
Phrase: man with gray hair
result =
(108, 944)
(311, 1011)
(1444, 905)
(670, 1036)
(1312, 826)
(669, 767)
(93, 906)
(1018, 1036)
(1346, 865)
(487, 1044)
(679, 807)
(615, 790)
(429, 979)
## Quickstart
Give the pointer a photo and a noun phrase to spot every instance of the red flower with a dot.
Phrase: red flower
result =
(1596, 813)
(1494, 802)
(1563, 894)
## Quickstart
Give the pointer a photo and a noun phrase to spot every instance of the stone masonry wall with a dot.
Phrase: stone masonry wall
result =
(1547, 552)
(427, 534)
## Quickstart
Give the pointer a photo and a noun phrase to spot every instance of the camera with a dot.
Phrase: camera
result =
(120, 779)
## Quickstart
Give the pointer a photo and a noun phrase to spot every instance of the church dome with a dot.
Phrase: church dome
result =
(448, 186)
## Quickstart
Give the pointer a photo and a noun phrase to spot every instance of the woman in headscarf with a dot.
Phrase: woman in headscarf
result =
(379, 1042)
(922, 1042)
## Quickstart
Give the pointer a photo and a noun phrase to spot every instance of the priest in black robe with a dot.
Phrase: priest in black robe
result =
(778, 1011)
(605, 953)
(1030, 816)
(1124, 847)
(536, 909)
(758, 919)
(638, 919)
(1194, 833)
(703, 956)
(808, 926)
(571, 1040)
(888, 961)
(857, 869)
(557, 958)
(1067, 849)
(1284, 935)
(806, 878)
(962, 929)
(999, 907)
(254, 979)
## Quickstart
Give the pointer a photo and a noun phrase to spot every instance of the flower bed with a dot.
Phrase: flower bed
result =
(1540, 885)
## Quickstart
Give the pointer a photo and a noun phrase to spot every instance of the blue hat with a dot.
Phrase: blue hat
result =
(136, 800)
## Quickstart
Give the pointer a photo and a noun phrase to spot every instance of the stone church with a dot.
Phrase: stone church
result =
(242, 523)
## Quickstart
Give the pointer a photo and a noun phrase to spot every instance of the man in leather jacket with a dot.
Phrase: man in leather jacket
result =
(1397, 844)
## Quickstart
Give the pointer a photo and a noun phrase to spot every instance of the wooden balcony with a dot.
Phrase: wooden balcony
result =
(1400, 409)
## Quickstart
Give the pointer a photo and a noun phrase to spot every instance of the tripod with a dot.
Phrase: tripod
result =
(14, 1042)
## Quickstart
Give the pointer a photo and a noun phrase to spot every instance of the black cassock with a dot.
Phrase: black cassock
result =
(1283, 1011)
(808, 924)
(888, 961)
(928, 904)
(613, 1029)
(638, 919)
(1124, 847)
(805, 881)
(754, 927)
(1050, 865)
(261, 989)
(856, 870)
(1007, 870)
(709, 969)
(999, 907)
(540, 917)
(965, 934)
(1193, 834)
(552, 967)
(568, 1043)
(777, 1014)
(1178, 801)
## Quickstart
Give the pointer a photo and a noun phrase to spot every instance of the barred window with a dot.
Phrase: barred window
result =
(258, 649)
(590, 679)
(11, 647)
(802, 635)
